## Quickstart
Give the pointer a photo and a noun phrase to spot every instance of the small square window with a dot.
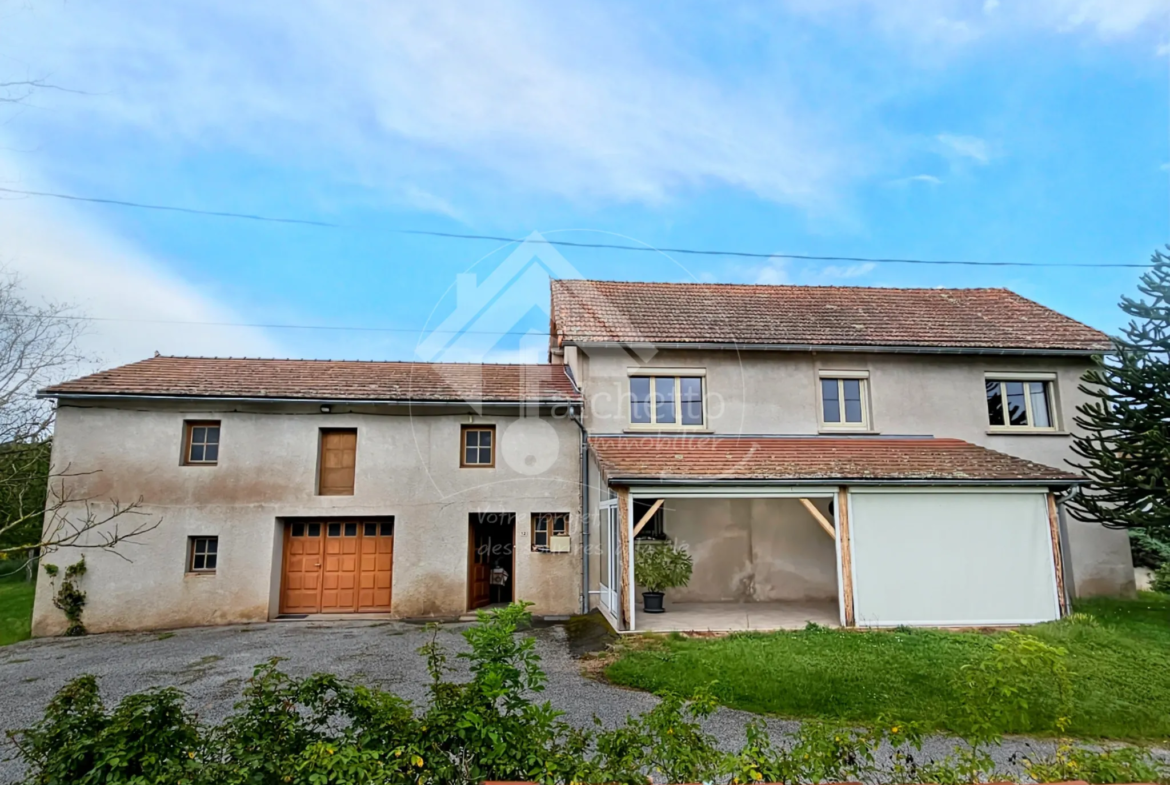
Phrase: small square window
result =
(478, 449)
(546, 525)
(202, 554)
(370, 530)
(201, 443)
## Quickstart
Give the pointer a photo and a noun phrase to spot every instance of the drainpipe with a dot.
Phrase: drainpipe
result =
(584, 475)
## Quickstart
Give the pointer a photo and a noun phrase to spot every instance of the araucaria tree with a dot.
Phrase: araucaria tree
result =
(1125, 446)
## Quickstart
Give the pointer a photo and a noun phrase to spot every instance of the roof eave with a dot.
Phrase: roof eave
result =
(48, 393)
(820, 481)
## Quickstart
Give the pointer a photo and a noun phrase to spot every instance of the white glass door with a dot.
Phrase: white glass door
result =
(609, 561)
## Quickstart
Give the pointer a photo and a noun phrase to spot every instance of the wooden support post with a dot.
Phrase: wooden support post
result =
(842, 514)
(623, 504)
(821, 519)
(1054, 529)
(646, 518)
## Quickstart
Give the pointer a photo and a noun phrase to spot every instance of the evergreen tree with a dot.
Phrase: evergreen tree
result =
(1126, 422)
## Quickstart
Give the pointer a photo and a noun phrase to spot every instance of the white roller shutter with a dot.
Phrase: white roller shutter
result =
(952, 558)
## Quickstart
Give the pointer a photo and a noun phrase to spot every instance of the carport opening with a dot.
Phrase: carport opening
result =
(759, 563)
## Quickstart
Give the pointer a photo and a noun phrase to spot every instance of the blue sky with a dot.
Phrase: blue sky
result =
(1026, 131)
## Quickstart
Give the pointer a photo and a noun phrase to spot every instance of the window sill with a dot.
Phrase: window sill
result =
(1026, 432)
(661, 429)
(823, 431)
(199, 574)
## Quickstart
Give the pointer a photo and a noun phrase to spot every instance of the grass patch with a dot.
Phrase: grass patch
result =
(16, 601)
(1118, 652)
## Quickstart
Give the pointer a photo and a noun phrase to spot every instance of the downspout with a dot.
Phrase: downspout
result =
(583, 473)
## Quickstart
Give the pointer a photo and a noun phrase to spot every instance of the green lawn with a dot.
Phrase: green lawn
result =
(1120, 666)
(16, 599)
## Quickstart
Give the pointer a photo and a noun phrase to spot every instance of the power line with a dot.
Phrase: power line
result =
(570, 243)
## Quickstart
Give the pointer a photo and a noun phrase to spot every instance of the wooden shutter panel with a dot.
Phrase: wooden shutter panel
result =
(337, 462)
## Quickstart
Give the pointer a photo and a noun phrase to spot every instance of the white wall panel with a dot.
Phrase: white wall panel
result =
(952, 558)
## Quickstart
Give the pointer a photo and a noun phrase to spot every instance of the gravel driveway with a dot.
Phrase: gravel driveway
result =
(211, 665)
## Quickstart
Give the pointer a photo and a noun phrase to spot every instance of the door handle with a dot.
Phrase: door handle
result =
(318, 564)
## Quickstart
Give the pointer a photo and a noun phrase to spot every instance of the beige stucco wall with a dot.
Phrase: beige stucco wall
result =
(407, 466)
(752, 550)
(768, 392)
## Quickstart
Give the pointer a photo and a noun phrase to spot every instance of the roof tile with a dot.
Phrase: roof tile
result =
(628, 312)
(731, 458)
(327, 380)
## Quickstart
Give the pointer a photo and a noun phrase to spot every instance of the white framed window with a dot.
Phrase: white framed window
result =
(844, 403)
(1018, 402)
(674, 399)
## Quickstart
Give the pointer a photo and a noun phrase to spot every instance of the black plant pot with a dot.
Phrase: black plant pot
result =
(652, 602)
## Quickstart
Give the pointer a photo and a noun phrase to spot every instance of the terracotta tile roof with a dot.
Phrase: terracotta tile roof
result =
(612, 311)
(326, 380)
(731, 458)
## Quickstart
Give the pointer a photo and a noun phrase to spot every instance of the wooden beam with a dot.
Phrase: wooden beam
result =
(821, 519)
(646, 518)
(841, 511)
(1054, 530)
(624, 588)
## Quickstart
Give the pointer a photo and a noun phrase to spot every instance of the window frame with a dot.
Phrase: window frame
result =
(841, 376)
(189, 427)
(477, 428)
(1004, 377)
(549, 532)
(193, 551)
(677, 374)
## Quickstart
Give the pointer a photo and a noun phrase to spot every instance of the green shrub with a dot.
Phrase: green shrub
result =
(1148, 550)
(1161, 580)
(661, 566)
(321, 730)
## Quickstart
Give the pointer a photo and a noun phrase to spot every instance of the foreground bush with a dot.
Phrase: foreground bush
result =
(320, 730)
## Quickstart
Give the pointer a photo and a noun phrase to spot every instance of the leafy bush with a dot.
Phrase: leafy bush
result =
(661, 566)
(1148, 550)
(1161, 579)
(321, 730)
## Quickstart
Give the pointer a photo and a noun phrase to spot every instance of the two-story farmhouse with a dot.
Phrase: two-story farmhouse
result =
(851, 456)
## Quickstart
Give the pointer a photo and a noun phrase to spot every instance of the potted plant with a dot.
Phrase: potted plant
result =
(659, 566)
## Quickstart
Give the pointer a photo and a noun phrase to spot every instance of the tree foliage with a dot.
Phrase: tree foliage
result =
(1125, 442)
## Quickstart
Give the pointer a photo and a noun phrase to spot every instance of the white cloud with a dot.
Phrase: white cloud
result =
(944, 24)
(971, 147)
(547, 98)
(851, 271)
(926, 179)
(774, 273)
(63, 256)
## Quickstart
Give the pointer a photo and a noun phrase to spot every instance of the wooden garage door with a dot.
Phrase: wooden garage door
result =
(337, 566)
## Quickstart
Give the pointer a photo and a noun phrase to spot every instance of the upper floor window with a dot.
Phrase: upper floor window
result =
(843, 400)
(337, 462)
(667, 400)
(1020, 403)
(201, 443)
(479, 446)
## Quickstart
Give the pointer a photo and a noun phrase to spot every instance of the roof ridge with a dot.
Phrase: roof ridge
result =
(322, 360)
(738, 284)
